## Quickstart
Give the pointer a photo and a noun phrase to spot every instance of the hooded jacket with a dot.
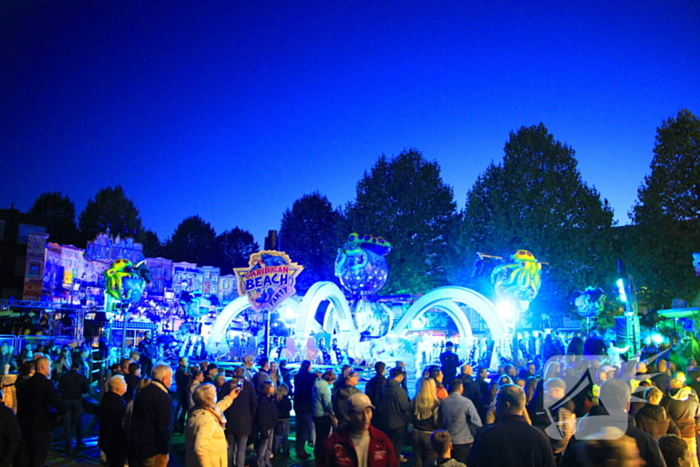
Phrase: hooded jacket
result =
(339, 400)
(654, 420)
(395, 405)
(683, 407)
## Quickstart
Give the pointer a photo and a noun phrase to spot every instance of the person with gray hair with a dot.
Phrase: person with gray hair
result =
(205, 439)
(112, 437)
(151, 422)
(511, 441)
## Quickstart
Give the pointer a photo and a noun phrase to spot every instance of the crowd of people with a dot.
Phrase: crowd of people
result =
(575, 409)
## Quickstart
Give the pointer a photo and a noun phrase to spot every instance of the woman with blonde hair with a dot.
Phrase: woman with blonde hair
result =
(424, 410)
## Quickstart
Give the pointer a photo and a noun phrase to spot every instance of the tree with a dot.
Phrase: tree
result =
(309, 235)
(192, 241)
(110, 209)
(59, 211)
(536, 200)
(667, 213)
(233, 249)
(404, 200)
(152, 246)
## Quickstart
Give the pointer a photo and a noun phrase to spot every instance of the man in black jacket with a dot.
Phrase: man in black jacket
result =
(449, 361)
(38, 407)
(395, 410)
(112, 439)
(148, 351)
(151, 422)
(303, 406)
(10, 436)
(374, 387)
(72, 386)
(239, 416)
(472, 391)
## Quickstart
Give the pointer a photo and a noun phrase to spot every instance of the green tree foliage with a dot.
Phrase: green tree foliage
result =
(536, 200)
(193, 241)
(110, 209)
(152, 246)
(404, 200)
(667, 213)
(309, 235)
(233, 249)
(59, 211)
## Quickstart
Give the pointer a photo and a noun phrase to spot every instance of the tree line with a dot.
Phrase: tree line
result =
(534, 199)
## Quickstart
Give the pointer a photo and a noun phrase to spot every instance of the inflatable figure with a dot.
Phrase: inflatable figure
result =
(125, 282)
(195, 304)
(590, 302)
(519, 280)
(360, 264)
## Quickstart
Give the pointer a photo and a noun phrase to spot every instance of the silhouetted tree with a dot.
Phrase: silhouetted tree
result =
(233, 249)
(309, 236)
(404, 200)
(110, 209)
(193, 241)
(152, 246)
(59, 211)
(536, 200)
(667, 213)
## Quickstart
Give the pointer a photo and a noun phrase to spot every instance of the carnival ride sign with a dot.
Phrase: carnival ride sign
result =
(268, 280)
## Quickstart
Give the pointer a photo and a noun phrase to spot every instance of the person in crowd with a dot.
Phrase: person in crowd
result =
(284, 409)
(662, 379)
(653, 418)
(563, 414)
(530, 388)
(425, 418)
(10, 434)
(304, 382)
(438, 377)
(396, 410)
(675, 451)
(449, 361)
(611, 447)
(212, 370)
(132, 378)
(615, 395)
(374, 387)
(148, 353)
(286, 375)
(683, 407)
(38, 407)
(404, 383)
(248, 368)
(26, 371)
(63, 363)
(344, 371)
(240, 416)
(459, 416)
(130, 407)
(341, 393)
(219, 383)
(5, 359)
(441, 444)
(182, 381)
(196, 378)
(262, 375)
(275, 374)
(205, 440)
(528, 371)
(511, 441)
(72, 386)
(124, 366)
(266, 420)
(324, 417)
(358, 443)
(112, 438)
(424, 375)
(472, 389)
(151, 421)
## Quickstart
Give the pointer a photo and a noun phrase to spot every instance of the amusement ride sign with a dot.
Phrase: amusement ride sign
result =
(268, 280)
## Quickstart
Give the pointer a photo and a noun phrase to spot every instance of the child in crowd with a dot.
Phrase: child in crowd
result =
(284, 407)
(442, 445)
(266, 419)
(675, 451)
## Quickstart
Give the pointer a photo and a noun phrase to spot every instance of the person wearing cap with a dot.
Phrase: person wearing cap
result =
(358, 443)
(449, 361)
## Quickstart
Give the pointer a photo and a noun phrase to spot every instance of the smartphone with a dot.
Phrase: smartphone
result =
(239, 384)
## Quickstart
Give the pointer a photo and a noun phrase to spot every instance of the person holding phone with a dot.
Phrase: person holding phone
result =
(240, 416)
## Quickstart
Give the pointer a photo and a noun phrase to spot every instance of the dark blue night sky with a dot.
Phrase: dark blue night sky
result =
(234, 109)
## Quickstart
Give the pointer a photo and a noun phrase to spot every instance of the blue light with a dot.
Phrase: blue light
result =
(621, 289)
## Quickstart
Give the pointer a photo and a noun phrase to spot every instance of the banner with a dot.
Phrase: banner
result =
(268, 280)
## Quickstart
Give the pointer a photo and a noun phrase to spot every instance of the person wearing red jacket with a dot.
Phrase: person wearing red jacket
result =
(358, 444)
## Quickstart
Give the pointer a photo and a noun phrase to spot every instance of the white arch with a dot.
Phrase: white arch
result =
(438, 297)
(319, 292)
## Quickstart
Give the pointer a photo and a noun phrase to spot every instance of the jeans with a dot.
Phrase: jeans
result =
(265, 448)
(323, 427)
(422, 449)
(73, 418)
(396, 435)
(281, 438)
(181, 410)
(303, 421)
(236, 450)
(36, 447)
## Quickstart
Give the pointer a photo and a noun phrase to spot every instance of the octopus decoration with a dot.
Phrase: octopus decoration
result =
(126, 281)
(361, 265)
(519, 280)
(590, 302)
